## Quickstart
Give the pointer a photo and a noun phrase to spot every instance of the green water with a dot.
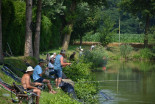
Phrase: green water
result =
(127, 83)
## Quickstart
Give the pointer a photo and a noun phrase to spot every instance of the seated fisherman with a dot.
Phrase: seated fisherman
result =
(72, 56)
(26, 83)
(51, 67)
(37, 75)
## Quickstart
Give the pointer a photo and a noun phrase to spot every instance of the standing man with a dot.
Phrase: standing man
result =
(27, 85)
(37, 75)
(58, 64)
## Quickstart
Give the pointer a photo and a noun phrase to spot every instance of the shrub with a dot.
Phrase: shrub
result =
(80, 73)
(95, 56)
(145, 53)
(86, 91)
(125, 50)
(78, 70)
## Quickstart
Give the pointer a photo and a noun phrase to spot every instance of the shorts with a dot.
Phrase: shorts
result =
(52, 72)
(58, 73)
(39, 80)
(29, 90)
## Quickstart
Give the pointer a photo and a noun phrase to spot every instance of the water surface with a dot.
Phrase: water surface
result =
(127, 83)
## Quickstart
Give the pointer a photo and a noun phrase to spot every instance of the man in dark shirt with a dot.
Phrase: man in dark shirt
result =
(71, 58)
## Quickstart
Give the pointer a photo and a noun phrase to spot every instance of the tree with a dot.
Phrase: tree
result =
(69, 24)
(70, 17)
(37, 31)
(145, 8)
(28, 35)
(1, 51)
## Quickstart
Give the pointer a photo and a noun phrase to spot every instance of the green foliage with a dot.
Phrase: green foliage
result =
(90, 36)
(129, 38)
(106, 31)
(86, 91)
(95, 56)
(53, 7)
(81, 74)
(146, 53)
(138, 6)
(67, 29)
(46, 33)
(78, 70)
(60, 98)
(125, 50)
(13, 17)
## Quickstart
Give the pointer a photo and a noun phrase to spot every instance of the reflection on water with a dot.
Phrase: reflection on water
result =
(127, 83)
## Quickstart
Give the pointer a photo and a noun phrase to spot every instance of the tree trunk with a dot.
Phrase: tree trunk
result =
(70, 24)
(146, 31)
(28, 36)
(66, 39)
(1, 50)
(37, 31)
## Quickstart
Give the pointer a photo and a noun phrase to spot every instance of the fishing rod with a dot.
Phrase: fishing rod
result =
(106, 81)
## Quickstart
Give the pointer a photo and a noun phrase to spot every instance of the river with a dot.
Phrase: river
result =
(127, 83)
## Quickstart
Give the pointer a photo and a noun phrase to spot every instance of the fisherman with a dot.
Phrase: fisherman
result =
(28, 85)
(51, 68)
(81, 53)
(53, 56)
(37, 75)
(72, 56)
(58, 64)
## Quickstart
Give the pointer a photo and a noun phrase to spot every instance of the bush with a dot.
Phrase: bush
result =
(78, 70)
(145, 53)
(80, 73)
(125, 50)
(95, 56)
(86, 91)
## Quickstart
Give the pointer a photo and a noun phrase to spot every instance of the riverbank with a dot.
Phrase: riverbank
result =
(85, 92)
(79, 72)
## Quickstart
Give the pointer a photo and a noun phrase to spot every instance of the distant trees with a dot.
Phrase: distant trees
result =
(1, 51)
(143, 8)
(28, 36)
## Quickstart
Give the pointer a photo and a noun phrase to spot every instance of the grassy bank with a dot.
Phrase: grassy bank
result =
(85, 92)
(80, 71)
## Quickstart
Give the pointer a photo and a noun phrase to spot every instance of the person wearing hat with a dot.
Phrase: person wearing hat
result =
(37, 75)
(28, 85)
(81, 53)
(53, 56)
(58, 64)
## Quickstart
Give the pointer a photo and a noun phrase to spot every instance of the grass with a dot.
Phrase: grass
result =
(46, 98)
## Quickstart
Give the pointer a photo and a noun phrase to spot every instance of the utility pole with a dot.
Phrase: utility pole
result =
(119, 29)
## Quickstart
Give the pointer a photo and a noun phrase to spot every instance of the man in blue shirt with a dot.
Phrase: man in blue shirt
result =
(58, 64)
(37, 75)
